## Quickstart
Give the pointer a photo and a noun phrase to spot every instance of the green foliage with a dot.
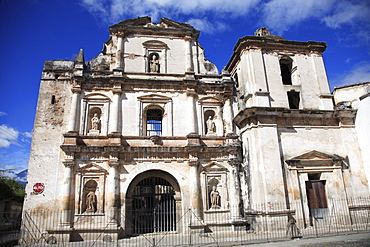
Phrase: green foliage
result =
(10, 189)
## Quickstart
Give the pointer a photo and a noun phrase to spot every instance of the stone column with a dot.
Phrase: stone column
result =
(192, 117)
(66, 195)
(189, 54)
(235, 191)
(74, 110)
(228, 116)
(119, 52)
(112, 192)
(195, 192)
(114, 120)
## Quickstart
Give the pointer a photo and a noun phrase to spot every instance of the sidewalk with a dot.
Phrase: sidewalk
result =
(342, 240)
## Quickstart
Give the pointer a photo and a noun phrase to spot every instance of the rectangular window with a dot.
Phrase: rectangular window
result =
(293, 98)
(153, 128)
(154, 122)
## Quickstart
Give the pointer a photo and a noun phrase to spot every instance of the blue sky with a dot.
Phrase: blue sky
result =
(34, 31)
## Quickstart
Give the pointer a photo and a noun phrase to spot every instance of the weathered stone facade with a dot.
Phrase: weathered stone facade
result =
(150, 122)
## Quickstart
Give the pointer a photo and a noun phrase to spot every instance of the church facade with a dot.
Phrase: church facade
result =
(150, 125)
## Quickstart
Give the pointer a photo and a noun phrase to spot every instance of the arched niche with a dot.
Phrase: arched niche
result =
(211, 107)
(89, 202)
(90, 178)
(155, 49)
(95, 104)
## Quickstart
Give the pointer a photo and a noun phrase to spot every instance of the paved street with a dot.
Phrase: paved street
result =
(353, 240)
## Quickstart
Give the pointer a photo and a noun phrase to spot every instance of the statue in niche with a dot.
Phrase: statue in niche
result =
(95, 122)
(211, 127)
(154, 64)
(215, 198)
(90, 202)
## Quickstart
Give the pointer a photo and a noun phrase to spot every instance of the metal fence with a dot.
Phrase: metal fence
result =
(260, 223)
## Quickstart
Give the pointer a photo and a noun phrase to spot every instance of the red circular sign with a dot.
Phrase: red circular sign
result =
(38, 188)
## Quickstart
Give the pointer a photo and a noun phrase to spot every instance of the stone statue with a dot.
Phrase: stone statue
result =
(90, 202)
(211, 127)
(154, 64)
(95, 122)
(215, 198)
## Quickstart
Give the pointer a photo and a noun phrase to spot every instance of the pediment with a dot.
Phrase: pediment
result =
(154, 98)
(315, 158)
(92, 168)
(210, 101)
(96, 96)
(155, 44)
(147, 22)
(174, 24)
(214, 166)
(136, 22)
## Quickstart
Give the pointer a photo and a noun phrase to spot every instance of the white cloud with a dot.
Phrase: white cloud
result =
(206, 26)
(348, 16)
(111, 11)
(279, 15)
(2, 113)
(8, 136)
(7, 171)
(15, 160)
(347, 12)
(359, 73)
(27, 134)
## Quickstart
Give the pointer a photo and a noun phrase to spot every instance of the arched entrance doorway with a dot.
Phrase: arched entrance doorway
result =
(152, 203)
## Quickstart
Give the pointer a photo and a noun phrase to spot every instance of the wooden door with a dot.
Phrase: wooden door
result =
(317, 201)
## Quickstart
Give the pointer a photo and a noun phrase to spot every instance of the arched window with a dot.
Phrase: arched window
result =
(286, 70)
(154, 121)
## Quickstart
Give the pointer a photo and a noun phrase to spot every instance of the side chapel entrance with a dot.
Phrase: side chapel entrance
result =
(308, 169)
(317, 202)
(151, 203)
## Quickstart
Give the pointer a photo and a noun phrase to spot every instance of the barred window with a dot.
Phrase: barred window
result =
(154, 122)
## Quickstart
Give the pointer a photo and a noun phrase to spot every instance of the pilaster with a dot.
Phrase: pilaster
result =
(114, 120)
(192, 116)
(119, 52)
(76, 90)
(66, 195)
(189, 54)
(195, 191)
(113, 191)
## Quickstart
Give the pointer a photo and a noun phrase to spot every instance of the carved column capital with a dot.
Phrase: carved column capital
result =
(193, 162)
(69, 157)
(188, 38)
(117, 88)
(117, 91)
(69, 163)
(113, 164)
(234, 162)
(76, 89)
(190, 92)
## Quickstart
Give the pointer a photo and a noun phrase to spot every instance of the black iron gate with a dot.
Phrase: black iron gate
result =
(153, 206)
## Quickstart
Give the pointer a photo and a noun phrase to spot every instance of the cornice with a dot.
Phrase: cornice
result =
(261, 116)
